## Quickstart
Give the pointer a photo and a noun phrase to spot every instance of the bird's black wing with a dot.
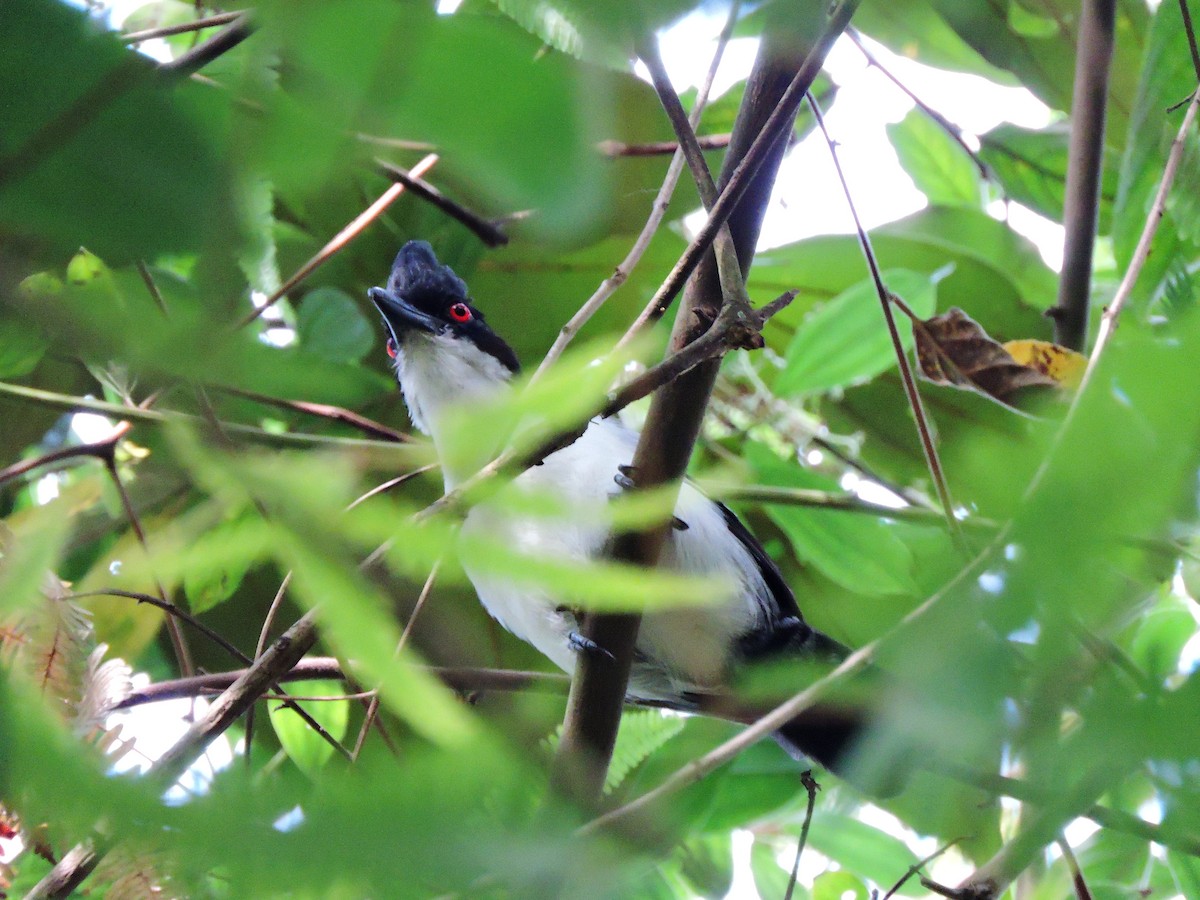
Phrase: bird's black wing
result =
(785, 630)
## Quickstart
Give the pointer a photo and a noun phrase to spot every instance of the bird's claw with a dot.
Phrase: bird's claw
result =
(624, 477)
(581, 644)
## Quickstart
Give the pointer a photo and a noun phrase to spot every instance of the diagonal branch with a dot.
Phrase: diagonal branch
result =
(885, 299)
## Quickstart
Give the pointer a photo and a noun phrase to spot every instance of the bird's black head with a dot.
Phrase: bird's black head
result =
(424, 297)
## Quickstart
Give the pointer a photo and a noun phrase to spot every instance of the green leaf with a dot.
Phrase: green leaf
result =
(838, 886)
(642, 732)
(864, 850)
(332, 326)
(21, 347)
(307, 749)
(1031, 165)
(401, 71)
(121, 136)
(770, 878)
(858, 552)
(940, 168)
(207, 586)
(846, 341)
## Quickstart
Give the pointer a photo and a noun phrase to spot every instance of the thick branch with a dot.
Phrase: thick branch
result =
(1085, 166)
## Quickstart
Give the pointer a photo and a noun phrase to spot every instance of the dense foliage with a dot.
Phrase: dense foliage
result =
(1049, 645)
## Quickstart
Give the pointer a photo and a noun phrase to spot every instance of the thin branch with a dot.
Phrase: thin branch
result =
(392, 483)
(1108, 321)
(326, 668)
(183, 653)
(778, 125)
(173, 610)
(906, 375)
(136, 37)
(1191, 36)
(616, 149)
(324, 411)
(811, 786)
(260, 647)
(1085, 168)
(845, 502)
(157, 417)
(212, 49)
(341, 239)
(373, 705)
(916, 867)
(955, 133)
(1080, 883)
(99, 450)
(483, 229)
(152, 287)
(658, 211)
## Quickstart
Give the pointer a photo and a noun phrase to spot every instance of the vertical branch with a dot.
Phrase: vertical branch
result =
(1085, 166)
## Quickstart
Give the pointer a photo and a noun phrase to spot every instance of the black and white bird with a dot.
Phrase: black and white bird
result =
(445, 354)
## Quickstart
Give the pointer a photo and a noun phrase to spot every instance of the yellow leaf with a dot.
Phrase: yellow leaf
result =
(1063, 365)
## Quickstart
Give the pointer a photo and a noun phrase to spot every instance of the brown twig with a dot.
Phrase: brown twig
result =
(120, 411)
(616, 149)
(1085, 168)
(955, 133)
(99, 450)
(483, 229)
(215, 47)
(324, 411)
(1108, 321)
(906, 375)
(1082, 892)
(183, 653)
(152, 287)
(340, 240)
(172, 610)
(811, 786)
(916, 867)
(373, 704)
(136, 37)
(326, 668)
(1191, 36)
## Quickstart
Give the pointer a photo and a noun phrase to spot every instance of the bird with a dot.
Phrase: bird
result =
(445, 354)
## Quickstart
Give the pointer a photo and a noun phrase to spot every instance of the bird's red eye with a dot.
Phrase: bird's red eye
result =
(460, 312)
(391, 348)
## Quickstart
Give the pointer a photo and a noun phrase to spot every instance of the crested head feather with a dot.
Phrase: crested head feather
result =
(417, 271)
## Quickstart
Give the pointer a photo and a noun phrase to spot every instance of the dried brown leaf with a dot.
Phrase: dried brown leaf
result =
(953, 349)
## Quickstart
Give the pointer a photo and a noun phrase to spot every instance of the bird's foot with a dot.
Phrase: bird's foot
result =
(624, 477)
(581, 644)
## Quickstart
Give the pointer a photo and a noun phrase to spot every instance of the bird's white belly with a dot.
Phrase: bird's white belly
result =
(684, 648)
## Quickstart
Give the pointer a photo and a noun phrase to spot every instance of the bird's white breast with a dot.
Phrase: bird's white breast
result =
(678, 649)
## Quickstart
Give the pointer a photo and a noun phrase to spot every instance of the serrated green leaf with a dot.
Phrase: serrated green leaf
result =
(642, 732)
(939, 167)
(846, 341)
(307, 749)
(332, 326)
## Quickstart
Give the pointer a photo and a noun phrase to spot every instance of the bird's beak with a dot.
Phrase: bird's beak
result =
(400, 315)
